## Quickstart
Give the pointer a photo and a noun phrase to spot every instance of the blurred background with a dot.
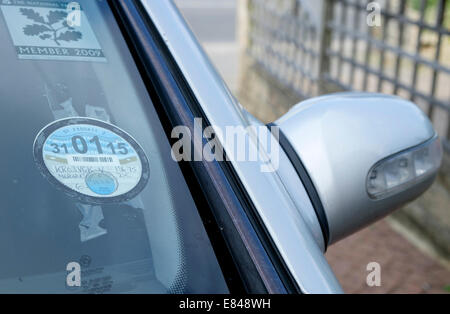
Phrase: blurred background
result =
(275, 53)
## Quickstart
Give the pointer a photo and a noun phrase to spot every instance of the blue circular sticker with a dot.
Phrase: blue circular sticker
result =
(92, 160)
(101, 183)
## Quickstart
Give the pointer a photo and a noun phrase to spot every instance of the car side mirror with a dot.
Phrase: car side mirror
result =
(365, 155)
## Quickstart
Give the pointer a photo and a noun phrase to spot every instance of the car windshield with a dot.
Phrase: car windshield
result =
(86, 177)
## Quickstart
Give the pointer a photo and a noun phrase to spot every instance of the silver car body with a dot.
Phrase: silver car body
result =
(282, 204)
(338, 157)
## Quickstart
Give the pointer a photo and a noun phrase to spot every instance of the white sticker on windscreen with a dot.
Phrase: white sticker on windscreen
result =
(51, 30)
(91, 160)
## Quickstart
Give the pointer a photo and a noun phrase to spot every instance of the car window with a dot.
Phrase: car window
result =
(86, 174)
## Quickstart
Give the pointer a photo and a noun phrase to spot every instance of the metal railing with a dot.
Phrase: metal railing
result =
(407, 53)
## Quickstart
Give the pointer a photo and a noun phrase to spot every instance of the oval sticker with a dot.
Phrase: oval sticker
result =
(92, 160)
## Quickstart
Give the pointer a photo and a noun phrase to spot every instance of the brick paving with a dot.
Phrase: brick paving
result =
(404, 269)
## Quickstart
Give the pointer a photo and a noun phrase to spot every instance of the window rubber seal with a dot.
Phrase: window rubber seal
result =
(307, 183)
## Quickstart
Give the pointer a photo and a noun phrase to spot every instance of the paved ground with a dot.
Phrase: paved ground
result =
(214, 24)
(404, 269)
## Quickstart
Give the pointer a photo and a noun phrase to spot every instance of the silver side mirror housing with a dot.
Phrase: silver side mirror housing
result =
(365, 155)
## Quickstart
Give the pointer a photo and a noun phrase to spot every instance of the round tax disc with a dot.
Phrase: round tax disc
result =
(91, 160)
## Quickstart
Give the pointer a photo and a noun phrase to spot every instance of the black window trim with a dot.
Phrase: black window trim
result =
(177, 107)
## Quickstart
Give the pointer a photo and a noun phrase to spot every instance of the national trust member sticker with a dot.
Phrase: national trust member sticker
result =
(91, 160)
(40, 30)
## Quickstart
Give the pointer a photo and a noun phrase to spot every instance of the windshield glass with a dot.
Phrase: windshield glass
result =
(86, 174)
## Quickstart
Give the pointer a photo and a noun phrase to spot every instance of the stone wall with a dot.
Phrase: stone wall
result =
(262, 95)
(429, 216)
